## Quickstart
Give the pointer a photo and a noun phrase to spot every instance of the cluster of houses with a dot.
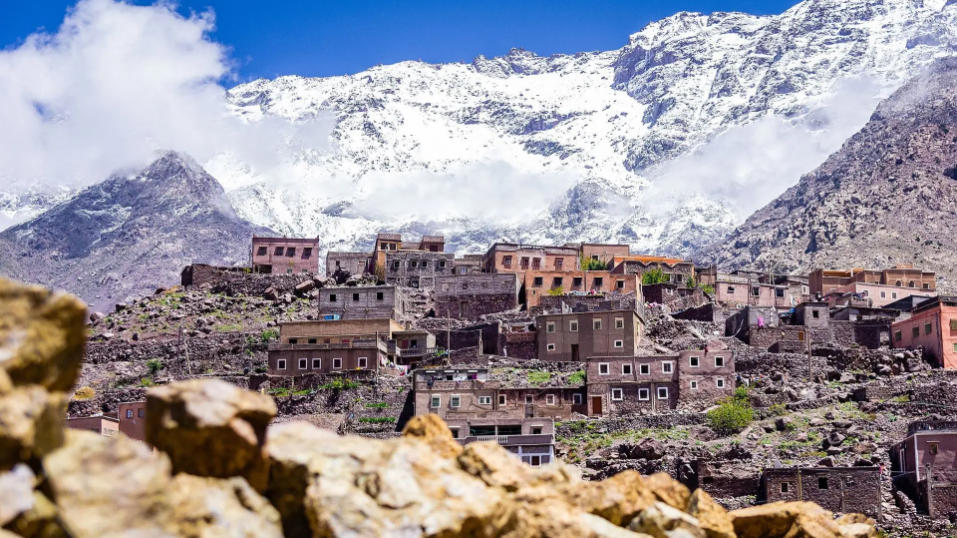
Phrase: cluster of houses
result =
(586, 304)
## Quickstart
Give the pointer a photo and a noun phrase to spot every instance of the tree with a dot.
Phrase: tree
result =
(655, 276)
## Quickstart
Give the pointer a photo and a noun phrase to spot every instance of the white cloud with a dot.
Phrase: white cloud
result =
(749, 166)
(113, 85)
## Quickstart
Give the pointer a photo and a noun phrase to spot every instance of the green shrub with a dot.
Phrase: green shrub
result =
(84, 393)
(376, 405)
(577, 378)
(269, 335)
(778, 410)
(339, 384)
(154, 365)
(733, 414)
(146, 382)
(655, 276)
(304, 392)
(377, 420)
(556, 292)
(594, 265)
(261, 370)
(279, 392)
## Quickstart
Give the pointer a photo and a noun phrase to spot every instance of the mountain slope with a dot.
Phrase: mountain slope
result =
(888, 196)
(567, 147)
(127, 235)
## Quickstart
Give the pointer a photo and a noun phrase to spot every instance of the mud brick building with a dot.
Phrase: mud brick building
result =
(580, 335)
(881, 287)
(386, 243)
(603, 253)
(331, 347)
(362, 302)
(301, 359)
(476, 409)
(417, 268)
(473, 295)
(693, 379)
(838, 489)
(103, 425)
(742, 288)
(722, 478)
(927, 459)
(676, 270)
(933, 326)
(132, 417)
(469, 264)
(540, 284)
(351, 263)
(285, 255)
(518, 258)
(573, 302)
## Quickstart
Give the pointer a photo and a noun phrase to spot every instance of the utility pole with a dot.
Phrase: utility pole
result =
(807, 337)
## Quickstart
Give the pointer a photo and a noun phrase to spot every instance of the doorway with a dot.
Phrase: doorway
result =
(596, 405)
(575, 352)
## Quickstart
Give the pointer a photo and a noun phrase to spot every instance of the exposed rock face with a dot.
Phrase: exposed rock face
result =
(885, 198)
(211, 428)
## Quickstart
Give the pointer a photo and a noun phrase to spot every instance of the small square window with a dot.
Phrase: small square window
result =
(596, 324)
(625, 369)
(316, 364)
(379, 296)
(644, 369)
(549, 399)
(576, 399)
(915, 331)
(619, 344)
(603, 368)
(617, 394)
(693, 385)
(129, 413)
(336, 364)
(662, 393)
(550, 347)
(529, 399)
(643, 394)
(779, 292)
(332, 297)
(436, 402)
(694, 362)
(719, 383)
(536, 430)
(731, 290)
(784, 487)
(719, 362)
(425, 264)
(928, 328)
(538, 282)
(355, 297)
(261, 251)
(932, 448)
(815, 314)
(501, 399)
(455, 433)
(141, 412)
(303, 364)
(306, 252)
(620, 284)
(550, 327)
(281, 364)
(485, 400)
(667, 367)
(894, 295)
(363, 362)
(278, 251)
(455, 401)
(755, 292)
(619, 323)
(822, 482)
(573, 326)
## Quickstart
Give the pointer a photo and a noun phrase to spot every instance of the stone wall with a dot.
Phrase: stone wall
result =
(942, 500)
(839, 489)
(724, 479)
(520, 345)
(239, 280)
(585, 303)
(465, 337)
(707, 313)
(472, 296)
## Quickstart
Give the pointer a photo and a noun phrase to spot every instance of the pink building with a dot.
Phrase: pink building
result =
(933, 326)
(285, 255)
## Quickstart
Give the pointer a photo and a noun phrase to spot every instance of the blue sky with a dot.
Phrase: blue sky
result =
(320, 38)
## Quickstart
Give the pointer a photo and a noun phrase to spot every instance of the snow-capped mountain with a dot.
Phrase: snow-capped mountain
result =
(587, 146)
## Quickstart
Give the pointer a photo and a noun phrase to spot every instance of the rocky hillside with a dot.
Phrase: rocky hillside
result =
(129, 234)
(220, 469)
(887, 197)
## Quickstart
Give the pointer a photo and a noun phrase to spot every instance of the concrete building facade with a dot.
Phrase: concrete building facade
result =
(362, 302)
(285, 255)
(417, 268)
(473, 295)
(579, 335)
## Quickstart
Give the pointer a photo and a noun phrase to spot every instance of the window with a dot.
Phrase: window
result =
(644, 369)
(719, 382)
(731, 290)
(316, 364)
(617, 395)
(535, 461)
(507, 262)
(306, 252)
(485, 400)
(898, 283)
(755, 291)
(550, 347)
(455, 401)
(883, 294)
(784, 487)
(667, 367)
(363, 362)
(303, 364)
(441, 264)
(281, 364)
(425, 264)
(625, 369)
(289, 271)
(915, 331)
(336, 364)
(926, 286)
(536, 430)
(643, 394)
(932, 448)
(550, 327)
(524, 263)
(898, 337)
(620, 284)
(538, 282)
(549, 399)
(719, 362)
(332, 297)
(129, 413)
(436, 402)
(559, 262)
(928, 328)
(355, 297)
(536, 263)
(603, 368)
(594, 257)
(576, 399)
(576, 282)
(693, 385)
(821, 482)
(261, 251)
(528, 399)
(413, 264)
(573, 326)
(278, 251)
(619, 344)
(865, 293)
(598, 283)
(557, 282)
(815, 314)
(955, 348)
(662, 393)
(395, 265)
(694, 362)
(779, 292)
(293, 340)
(619, 323)
(455, 433)
(141, 412)
(290, 252)
(596, 324)
(501, 399)
(894, 295)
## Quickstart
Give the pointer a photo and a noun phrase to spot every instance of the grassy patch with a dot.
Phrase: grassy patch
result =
(578, 378)
(377, 420)
(280, 392)
(376, 405)
(229, 327)
(84, 393)
(537, 378)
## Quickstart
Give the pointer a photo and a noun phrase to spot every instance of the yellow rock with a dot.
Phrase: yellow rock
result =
(433, 430)
(42, 335)
(785, 519)
(31, 424)
(669, 490)
(712, 517)
(617, 499)
(664, 521)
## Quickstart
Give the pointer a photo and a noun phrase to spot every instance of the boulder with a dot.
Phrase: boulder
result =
(661, 521)
(16, 493)
(304, 287)
(211, 428)
(712, 517)
(617, 499)
(669, 491)
(780, 519)
(270, 294)
(31, 424)
(647, 449)
(826, 462)
(119, 487)
(42, 336)
(783, 424)
(433, 430)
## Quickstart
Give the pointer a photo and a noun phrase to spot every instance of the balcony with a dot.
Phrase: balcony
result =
(412, 352)
(931, 425)
(463, 385)
(511, 440)
(355, 344)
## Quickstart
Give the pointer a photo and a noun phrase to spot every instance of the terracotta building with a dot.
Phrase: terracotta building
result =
(928, 455)
(933, 326)
(285, 255)
(676, 270)
(359, 354)
(417, 268)
(693, 379)
(105, 426)
(881, 287)
(473, 295)
(362, 302)
(386, 243)
(847, 490)
(132, 417)
(517, 258)
(743, 288)
(538, 284)
(580, 335)
(603, 253)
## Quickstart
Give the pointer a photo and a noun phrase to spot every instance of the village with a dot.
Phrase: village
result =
(580, 352)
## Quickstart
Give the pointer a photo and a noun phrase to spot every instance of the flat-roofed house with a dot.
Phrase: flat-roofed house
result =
(285, 255)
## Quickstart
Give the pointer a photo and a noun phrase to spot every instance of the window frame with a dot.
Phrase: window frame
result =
(485, 400)
(334, 367)
(576, 399)
(667, 367)
(455, 401)
(694, 361)
(502, 399)
(604, 366)
(620, 394)
(619, 323)
(281, 364)
(646, 392)
(573, 326)
(644, 368)
(316, 363)
(550, 347)
(362, 362)
(693, 384)
(619, 344)
(435, 401)
(716, 359)
(625, 365)
(549, 399)
(658, 393)
(550, 327)
(303, 364)
(719, 382)
(596, 324)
